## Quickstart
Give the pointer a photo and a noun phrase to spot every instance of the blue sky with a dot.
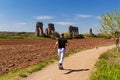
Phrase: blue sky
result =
(22, 15)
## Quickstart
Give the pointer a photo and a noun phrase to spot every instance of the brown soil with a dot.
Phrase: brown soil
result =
(19, 53)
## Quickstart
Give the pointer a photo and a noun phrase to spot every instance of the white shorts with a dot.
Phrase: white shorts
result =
(61, 54)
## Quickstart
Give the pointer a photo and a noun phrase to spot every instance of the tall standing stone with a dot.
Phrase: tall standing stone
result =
(50, 30)
(73, 31)
(39, 29)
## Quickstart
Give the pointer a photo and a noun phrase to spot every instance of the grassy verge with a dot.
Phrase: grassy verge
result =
(24, 72)
(21, 37)
(15, 74)
(108, 68)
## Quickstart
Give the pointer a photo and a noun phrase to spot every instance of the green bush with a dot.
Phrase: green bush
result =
(104, 36)
(87, 35)
(80, 36)
(67, 36)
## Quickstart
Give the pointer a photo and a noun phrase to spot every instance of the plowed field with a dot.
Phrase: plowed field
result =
(19, 53)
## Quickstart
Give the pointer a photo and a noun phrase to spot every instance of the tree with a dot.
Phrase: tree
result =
(67, 35)
(110, 25)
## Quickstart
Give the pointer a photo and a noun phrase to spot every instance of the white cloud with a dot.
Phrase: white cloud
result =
(83, 16)
(43, 17)
(98, 17)
(64, 23)
(20, 24)
(3, 25)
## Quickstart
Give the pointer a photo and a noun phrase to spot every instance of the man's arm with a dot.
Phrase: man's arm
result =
(56, 45)
(66, 44)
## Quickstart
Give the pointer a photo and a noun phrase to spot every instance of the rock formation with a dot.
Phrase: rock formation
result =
(91, 33)
(73, 31)
(39, 29)
(50, 30)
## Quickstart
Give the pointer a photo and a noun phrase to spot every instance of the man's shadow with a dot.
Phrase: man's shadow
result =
(74, 70)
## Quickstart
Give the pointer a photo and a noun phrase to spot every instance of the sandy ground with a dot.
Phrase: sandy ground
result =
(76, 67)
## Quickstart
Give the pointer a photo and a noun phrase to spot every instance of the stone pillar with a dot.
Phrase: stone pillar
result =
(91, 31)
(51, 28)
(39, 29)
(73, 31)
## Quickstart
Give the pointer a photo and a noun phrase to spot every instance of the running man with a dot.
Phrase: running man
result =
(61, 43)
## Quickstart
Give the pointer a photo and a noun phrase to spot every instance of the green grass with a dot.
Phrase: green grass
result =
(11, 37)
(108, 68)
(25, 71)
(15, 74)
(21, 37)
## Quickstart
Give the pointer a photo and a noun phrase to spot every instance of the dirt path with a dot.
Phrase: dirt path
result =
(77, 66)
